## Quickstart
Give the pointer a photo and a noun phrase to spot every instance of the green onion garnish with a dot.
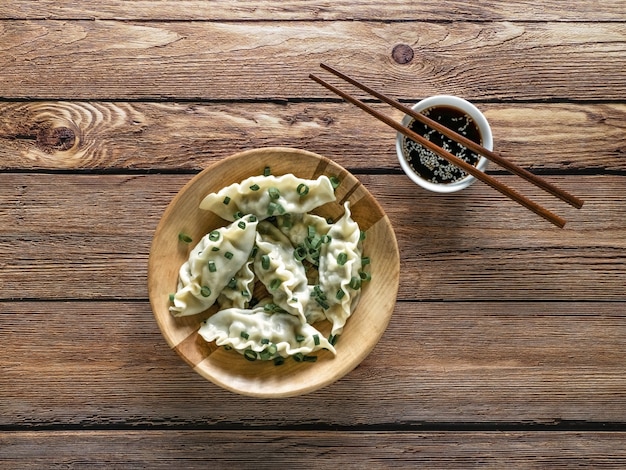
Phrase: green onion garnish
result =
(264, 355)
(227, 347)
(171, 297)
(272, 349)
(205, 291)
(238, 215)
(340, 294)
(302, 189)
(250, 355)
(326, 239)
(255, 250)
(287, 222)
(311, 232)
(322, 303)
(183, 237)
(273, 192)
(342, 258)
(310, 358)
(316, 340)
(267, 171)
(226, 200)
(215, 248)
(212, 267)
(299, 338)
(362, 235)
(365, 276)
(332, 339)
(244, 335)
(255, 187)
(275, 284)
(299, 357)
(269, 307)
(242, 225)
(335, 182)
(279, 360)
(365, 261)
(300, 253)
(245, 293)
(265, 262)
(265, 341)
(228, 255)
(232, 284)
(355, 283)
(252, 218)
(214, 236)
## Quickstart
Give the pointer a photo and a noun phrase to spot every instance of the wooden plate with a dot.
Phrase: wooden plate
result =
(229, 369)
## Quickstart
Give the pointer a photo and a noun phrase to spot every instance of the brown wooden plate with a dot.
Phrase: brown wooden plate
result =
(229, 369)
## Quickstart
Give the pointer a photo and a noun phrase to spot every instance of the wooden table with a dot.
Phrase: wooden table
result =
(507, 345)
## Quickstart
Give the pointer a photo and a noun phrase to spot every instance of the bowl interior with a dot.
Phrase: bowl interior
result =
(228, 369)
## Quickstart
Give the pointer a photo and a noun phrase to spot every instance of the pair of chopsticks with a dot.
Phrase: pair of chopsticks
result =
(473, 146)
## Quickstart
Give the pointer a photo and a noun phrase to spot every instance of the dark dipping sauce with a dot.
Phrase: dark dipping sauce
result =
(428, 164)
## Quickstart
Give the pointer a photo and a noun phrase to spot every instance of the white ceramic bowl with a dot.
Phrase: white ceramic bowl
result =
(467, 108)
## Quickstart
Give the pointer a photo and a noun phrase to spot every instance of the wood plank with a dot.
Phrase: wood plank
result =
(328, 449)
(495, 363)
(191, 136)
(100, 60)
(88, 236)
(516, 10)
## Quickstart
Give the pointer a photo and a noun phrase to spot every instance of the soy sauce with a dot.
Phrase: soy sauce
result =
(428, 164)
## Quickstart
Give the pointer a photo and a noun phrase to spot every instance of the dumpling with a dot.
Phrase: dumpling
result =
(340, 264)
(238, 291)
(306, 232)
(263, 335)
(266, 196)
(212, 264)
(280, 272)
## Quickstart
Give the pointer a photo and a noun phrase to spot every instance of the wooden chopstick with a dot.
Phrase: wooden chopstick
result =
(468, 168)
(470, 144)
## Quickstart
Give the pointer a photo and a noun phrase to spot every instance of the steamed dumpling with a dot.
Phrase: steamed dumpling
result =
(212, 264)
(266, 196)
(266, 334)
(340, 264)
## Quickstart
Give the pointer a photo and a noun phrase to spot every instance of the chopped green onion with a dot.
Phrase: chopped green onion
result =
(252, 218)
(316, 340)
(267, 171)
(335, 182)
(214, 236)
(242, 225)
(299, 338)
(355, 283)
(183, 237)
(265, 262)
(205, 291)
(232, 284)
(264, 355)
(365, 261)
(326, 239)
(342, 258)
(279, 360)
(287, 222)
(310, 358)
(227, 347)
(212, 267)
(340, 294)
(299, 357)
(215, 248)
(245, 293)
(250, 355)
(322, 303)
(255, 187)
(272, 349)
(238, 215)
(311, 232)
(269, 307)
(244, 335)
(228, 255)
(171, 297)
(300, 253)
(365, 276)
(302, 189)
(273, 192)
(265, 341)
(332, 339)
(362, 235)
(226, 200)
(275, 284)
(255, 250)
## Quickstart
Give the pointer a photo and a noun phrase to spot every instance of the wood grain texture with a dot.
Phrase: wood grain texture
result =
(323, 450)
(457, 10)
(191, 136)
(88, 236)
(105, 60)
(98, 364)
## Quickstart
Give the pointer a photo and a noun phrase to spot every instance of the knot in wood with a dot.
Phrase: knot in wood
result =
(402, 53)
(56, 138)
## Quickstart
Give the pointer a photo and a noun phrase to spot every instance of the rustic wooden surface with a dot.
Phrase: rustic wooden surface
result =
(508, 340)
